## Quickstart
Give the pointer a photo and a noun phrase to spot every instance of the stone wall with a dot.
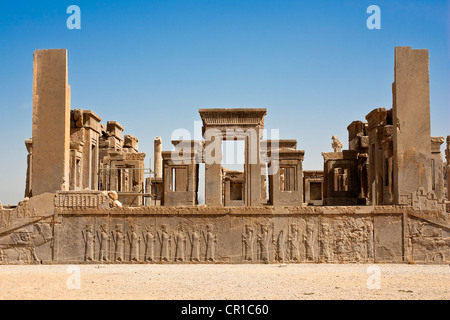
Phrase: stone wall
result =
(83, 233)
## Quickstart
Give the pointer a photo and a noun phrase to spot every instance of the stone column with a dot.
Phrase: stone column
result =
(29, 145)
(447, 158)
(51, 122)
(411, 120)
(158, 158)
(213, 174)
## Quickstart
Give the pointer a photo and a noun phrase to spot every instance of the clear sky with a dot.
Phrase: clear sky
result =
(151, 65)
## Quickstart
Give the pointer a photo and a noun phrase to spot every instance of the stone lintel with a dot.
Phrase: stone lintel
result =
(233, 117)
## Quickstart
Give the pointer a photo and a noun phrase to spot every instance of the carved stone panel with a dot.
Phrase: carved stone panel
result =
(388, 239)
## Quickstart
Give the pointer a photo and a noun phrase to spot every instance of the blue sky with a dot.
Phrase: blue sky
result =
(151, 65)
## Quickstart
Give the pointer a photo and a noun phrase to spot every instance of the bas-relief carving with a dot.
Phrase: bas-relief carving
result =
(23, 239)
(308, 239)
(24, 209)
(20, 245)
(326, 243)
(89, 243)
(134, 240)
(294, 243)
(248, 240)
(352, 240)
(337, 238)
(211, 240)
(6, 217)
(264, 241)
(165, 240)
(427, 243)
(149, 241)
(119, 243)
(180, 240)
(428, 201)
(279, 246)
(195, 241)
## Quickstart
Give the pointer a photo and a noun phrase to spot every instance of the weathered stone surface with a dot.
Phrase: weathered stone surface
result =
(51, 122)
(411, 119)
(388, 239)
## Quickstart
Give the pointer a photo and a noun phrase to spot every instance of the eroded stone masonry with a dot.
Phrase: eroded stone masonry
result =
(90, 199)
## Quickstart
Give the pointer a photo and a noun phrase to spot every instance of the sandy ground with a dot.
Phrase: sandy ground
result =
(198, 282)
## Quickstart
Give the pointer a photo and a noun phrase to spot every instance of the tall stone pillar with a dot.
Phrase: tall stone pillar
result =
(213, 173)
(51, 122)
(158, 158)
(447, 158)
(411, 120)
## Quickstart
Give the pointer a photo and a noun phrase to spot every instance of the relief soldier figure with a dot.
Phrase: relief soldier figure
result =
(368, 239)
(279, 246)
(89, 242)
(165, 241)
(149, 240)
(309, 241)
(326, 243)
(104, 239)
(119, 241)
(264, 240)
(135, 240)
(247, 243)
(180, 244)
(211, 240)
(340, 242)
(294, 243)
(195, 239)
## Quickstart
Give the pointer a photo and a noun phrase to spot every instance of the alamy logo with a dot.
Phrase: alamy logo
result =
(374, 21)
(374, 280)
(74, 21)
(74, 280)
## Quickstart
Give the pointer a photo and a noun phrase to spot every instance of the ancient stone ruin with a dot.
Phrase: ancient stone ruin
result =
(90, 199)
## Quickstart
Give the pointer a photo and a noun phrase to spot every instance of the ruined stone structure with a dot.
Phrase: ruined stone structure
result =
(90, 199)
(313, 187)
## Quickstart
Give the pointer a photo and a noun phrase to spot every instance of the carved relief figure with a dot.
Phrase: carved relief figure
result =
(294, 243)
(368, 240)
(356, 238)
(195, 240)
(89, 242)
(45, 231)
(6, 218)
(326, 243)
(340, 242)
(165, 241)
(149, 240)
(264, 240)
(104, 239)
(247, 243)
(24, 209)
(24, 239)
(279, 246)
(180, 244)
(135, 241)
(119, 241)
(3, 257)
(415, 233)
(211, 240)
(308, 238)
